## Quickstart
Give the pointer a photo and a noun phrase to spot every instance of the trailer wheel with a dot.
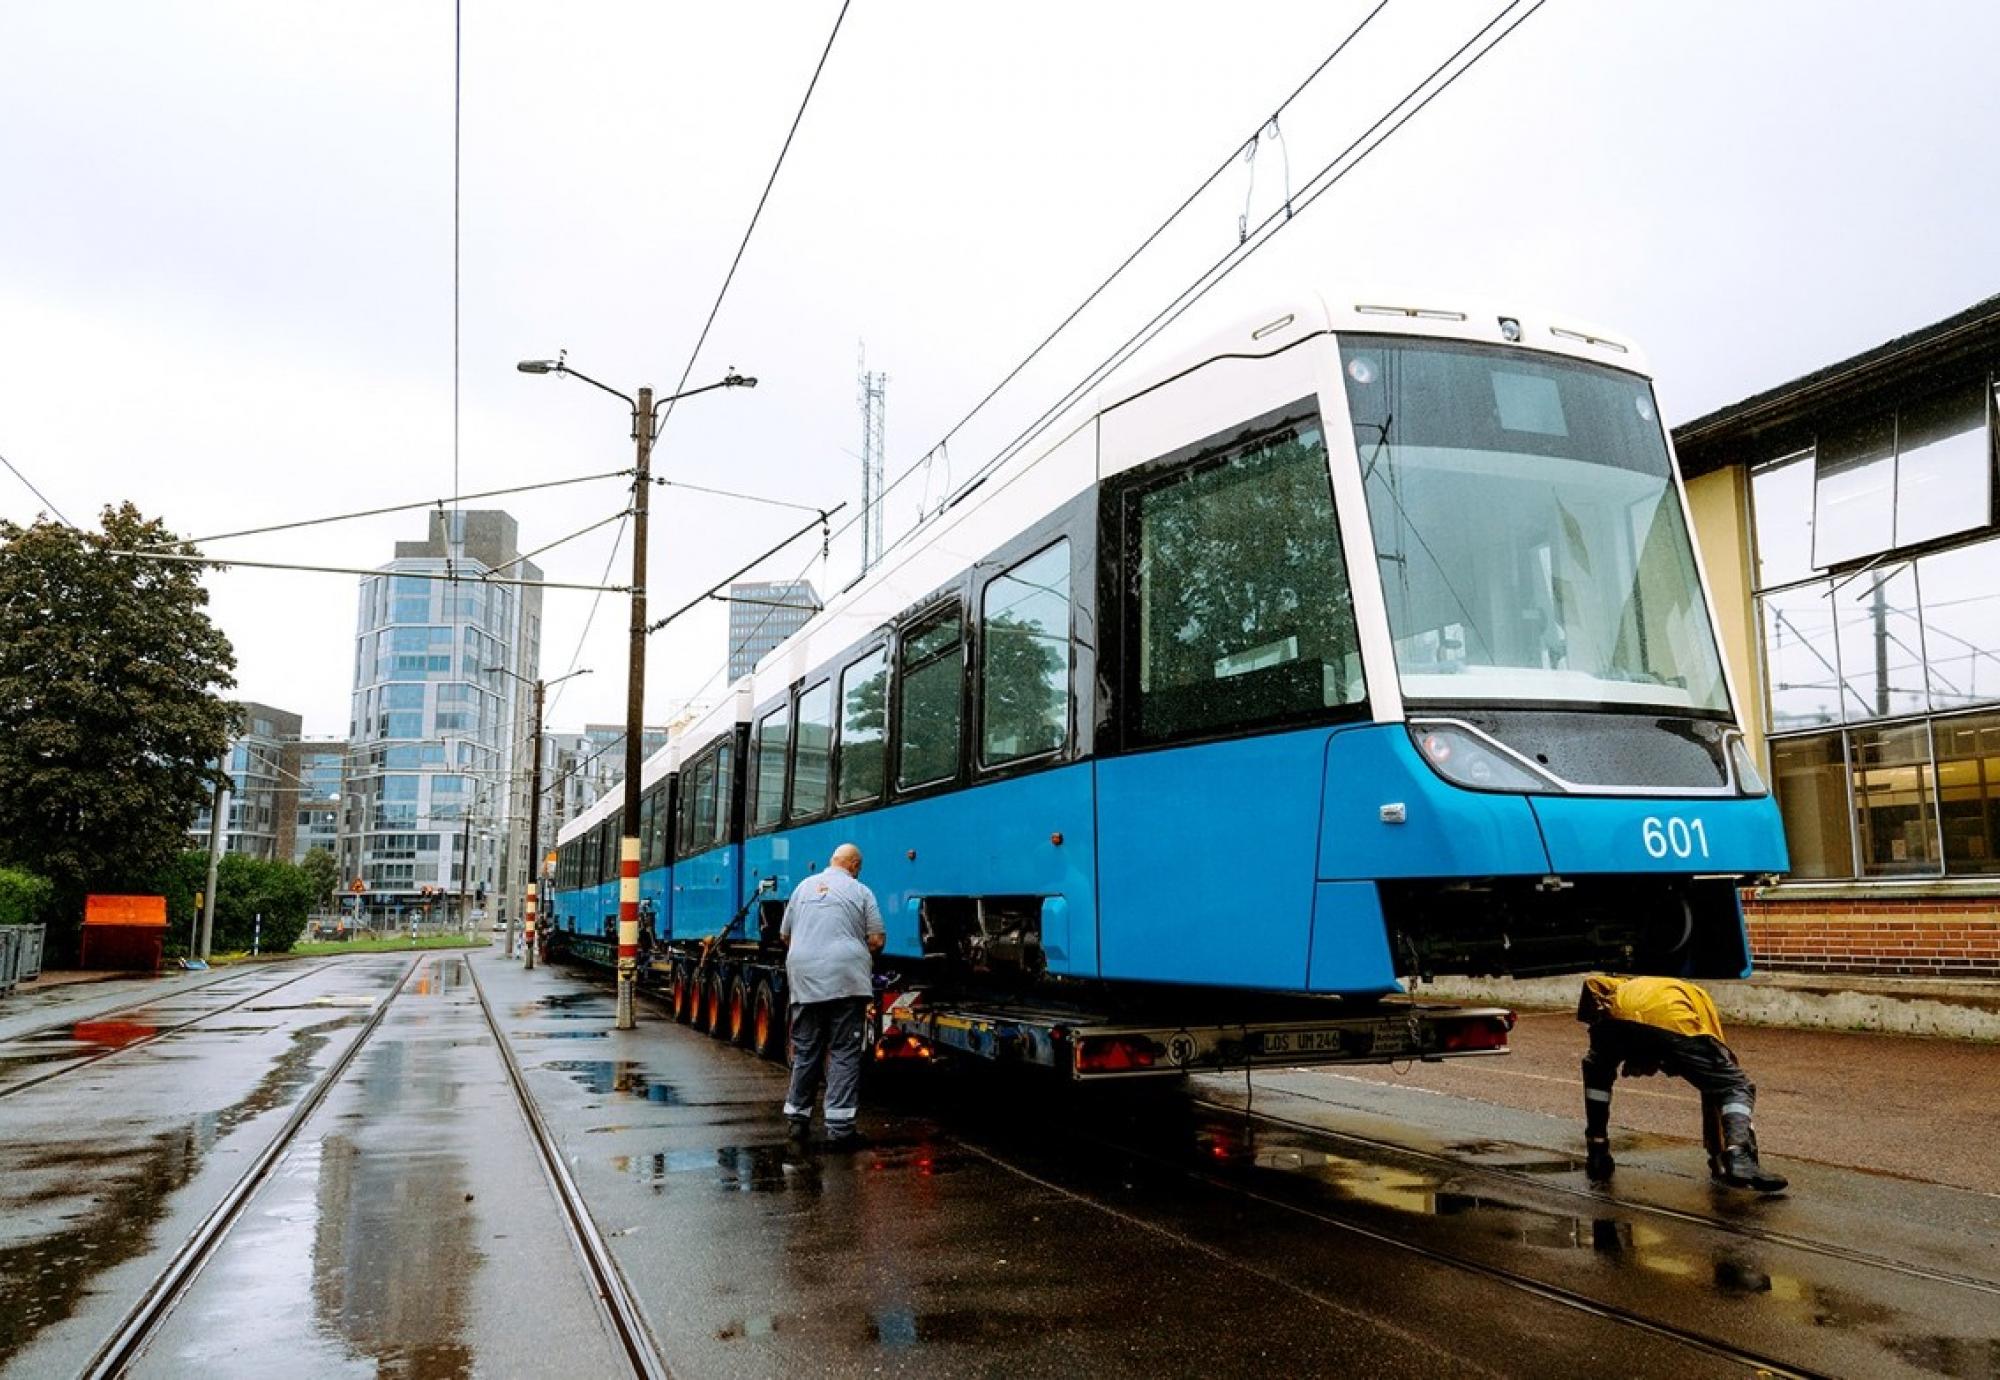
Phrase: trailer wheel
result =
(680, 994)
(769, 1037)
(737, 1021)
(715, 1014)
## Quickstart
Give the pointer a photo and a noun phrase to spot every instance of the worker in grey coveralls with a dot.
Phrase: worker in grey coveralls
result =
(832, 932)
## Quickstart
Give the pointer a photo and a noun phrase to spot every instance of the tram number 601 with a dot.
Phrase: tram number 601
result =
(1683, 838)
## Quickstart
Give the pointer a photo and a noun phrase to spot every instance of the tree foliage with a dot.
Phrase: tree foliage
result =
(245, 888)
(322, 872)
(109, 711)
(24, 897)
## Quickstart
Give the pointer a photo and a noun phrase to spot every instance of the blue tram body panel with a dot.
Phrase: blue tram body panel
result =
(705, 892)
(1205, 861)
(1446, 831)
(1622, 834)
(656, 895)
(1350, 944)
(1027, 835)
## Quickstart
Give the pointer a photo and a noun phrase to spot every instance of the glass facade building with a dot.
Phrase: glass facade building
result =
(322, 764)
(1849, 529)
(263, 785)
(430, 795)
(761, 615)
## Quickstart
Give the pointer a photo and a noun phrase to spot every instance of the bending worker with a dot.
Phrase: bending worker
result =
(1652, 1025)
(832, 932)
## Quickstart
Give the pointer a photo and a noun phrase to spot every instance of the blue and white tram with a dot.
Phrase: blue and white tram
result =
(1365, 642)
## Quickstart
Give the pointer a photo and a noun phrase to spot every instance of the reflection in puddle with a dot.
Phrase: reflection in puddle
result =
(43, 1277)
(901, 1327)
(112, 1034)
(625, 1077)
(559, 1034)
(738, 1168)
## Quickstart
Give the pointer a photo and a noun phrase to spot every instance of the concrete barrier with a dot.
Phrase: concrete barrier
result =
(1961, 1010)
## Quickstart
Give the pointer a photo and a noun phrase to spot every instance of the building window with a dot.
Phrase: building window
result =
(1878, 769)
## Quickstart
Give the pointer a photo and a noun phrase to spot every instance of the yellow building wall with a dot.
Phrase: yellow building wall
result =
(1718, 503)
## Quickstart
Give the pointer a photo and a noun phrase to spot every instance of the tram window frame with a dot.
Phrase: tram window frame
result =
(652, 826)
(794, 812)
(1121, 534)
(1043, 545)
(911, 631)
(755, 820)
(843, 803)
(702, 770)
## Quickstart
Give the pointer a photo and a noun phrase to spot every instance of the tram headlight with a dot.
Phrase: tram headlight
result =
(1749, 780)
(1464, 759)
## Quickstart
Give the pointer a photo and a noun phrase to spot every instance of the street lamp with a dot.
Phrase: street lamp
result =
(534, 810)
(645, 425)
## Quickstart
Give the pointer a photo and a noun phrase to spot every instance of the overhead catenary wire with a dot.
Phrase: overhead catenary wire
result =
(730, 277)
(445, 577)
(392, 508)
(590, 618)
(559, 541)
(30, 484)
(1317, 186)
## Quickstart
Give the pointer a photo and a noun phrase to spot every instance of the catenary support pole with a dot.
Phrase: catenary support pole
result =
(220, 810)
(534, 828)
(643, 423)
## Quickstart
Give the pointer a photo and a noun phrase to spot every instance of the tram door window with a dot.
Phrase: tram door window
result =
(864, 702)
(653, 827)
(768, 803)
(1024, 659)
(1238, 613)
(930, 699)
(812, 752)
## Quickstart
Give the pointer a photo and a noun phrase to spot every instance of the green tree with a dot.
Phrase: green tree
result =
(24, 897)
(109, 713)
(245, 889)
(324, 874)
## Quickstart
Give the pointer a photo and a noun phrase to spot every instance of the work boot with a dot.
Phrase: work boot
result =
(798, 1128)
(1597, 1161)
(1737, 1165)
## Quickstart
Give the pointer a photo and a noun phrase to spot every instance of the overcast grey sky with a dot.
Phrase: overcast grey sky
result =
(226, 241)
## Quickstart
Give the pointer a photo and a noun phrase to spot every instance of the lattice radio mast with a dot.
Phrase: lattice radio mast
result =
(872, 397)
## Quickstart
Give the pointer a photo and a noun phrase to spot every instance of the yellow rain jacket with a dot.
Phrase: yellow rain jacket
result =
(1667, 1003)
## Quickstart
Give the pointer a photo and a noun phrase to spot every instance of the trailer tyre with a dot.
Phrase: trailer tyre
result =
(681, 993)
(736, 1020)
(714, 1009)
(768, 1033)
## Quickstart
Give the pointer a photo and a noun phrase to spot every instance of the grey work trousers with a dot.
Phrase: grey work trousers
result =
(829, 1035)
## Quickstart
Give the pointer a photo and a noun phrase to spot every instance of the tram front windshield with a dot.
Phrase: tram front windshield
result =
(1528, 531)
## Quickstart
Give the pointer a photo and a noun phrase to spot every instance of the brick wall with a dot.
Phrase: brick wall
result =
(1918, 936)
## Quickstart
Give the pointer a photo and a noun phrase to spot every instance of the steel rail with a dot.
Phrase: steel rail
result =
(144, 1319)
(85, 1060)
(1512, 1279)
(614, 1295)
(1501, 1173)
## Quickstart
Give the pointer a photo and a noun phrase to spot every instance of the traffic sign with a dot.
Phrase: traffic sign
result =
(357, 886)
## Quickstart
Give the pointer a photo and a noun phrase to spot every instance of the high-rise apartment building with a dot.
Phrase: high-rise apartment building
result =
(263, 785)
(432, 797)
(761, 615)
(322, 764)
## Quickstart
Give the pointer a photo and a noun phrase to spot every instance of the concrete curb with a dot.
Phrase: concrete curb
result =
(1947, 1010)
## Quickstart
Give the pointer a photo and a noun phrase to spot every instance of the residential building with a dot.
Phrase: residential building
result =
(586, 765)
(1848, 528)
(432, 797)
(322, 763)
(761, 615)
(263, 785)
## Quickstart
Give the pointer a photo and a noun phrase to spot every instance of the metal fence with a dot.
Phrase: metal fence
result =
(20, 955)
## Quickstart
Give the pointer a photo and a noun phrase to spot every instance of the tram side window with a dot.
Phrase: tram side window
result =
(930, 699)
(608, 847)
(1237, 607)
(698, 794)
(864, 698)
(1024, 657)
(772, 731)
(813, 752)
(653, 827)
(586, 859)
(725, 792)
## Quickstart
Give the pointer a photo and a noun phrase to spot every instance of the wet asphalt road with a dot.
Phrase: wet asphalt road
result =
(997, 1227)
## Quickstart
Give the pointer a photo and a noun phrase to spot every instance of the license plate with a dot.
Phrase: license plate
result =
(1281, 1042)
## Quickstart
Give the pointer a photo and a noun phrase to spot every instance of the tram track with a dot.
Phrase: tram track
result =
(1501, 1174)
(143, 1320)
(1760, 1364)
(87, 1059)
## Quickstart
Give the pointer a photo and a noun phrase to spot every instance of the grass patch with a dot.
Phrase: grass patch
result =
(388, 944)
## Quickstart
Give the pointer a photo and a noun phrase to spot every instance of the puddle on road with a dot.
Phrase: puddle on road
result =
(42, 1278)
(736, 1168)
(909, 1327)
(1732, 1269)
(623, 1077)
(559, 1034)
